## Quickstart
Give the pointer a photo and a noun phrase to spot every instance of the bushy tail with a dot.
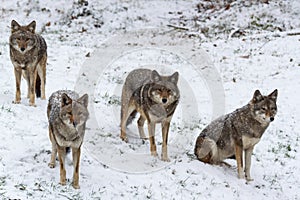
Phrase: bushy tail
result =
(38, 86)
(131, 117)
(68, 150)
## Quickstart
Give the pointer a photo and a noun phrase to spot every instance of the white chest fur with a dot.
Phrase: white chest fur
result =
(249, 141)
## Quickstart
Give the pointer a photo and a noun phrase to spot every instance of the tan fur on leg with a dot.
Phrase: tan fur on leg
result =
(76, 160)
(165, 131)
(61, 158)
(239, 160)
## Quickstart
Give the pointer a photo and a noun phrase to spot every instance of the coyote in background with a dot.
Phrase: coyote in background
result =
(155, 97)
(240, 130)
(28, 53)
(67, 116)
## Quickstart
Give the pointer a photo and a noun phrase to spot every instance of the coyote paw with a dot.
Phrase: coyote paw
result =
(224, 163)
(76, 186)
(124, 138)
(165, 158)
(248, 178)
(241, 176)
(32, 104)
(154, 153)
(16, 102)
(51, 165)
(63, 182)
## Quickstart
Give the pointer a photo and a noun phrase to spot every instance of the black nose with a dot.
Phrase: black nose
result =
(272, 119)
(164, 100)
(22, 49)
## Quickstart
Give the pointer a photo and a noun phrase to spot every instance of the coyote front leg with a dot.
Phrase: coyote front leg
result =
(54, 149)
(165, 132)
(239, 160)
(76, 159)
(18, 74)
(61, 158)
(248, 154)
(151, 131)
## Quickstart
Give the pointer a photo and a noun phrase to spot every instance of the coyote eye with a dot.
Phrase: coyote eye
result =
(263, 108)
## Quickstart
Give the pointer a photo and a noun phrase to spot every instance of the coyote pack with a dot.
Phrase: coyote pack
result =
(28, 53)
(231, 134)
(67, 116)
(155, 98)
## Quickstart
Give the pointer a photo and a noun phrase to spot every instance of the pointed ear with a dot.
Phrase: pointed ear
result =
(14, 26)
(174, 78)
(65, 100)
(84, 100)
(273, 95)
(31, 26)
(155, 77)
(257, 96)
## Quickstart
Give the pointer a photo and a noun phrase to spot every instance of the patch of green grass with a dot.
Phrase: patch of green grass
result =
(110, 100)
(283, 149)
(21, 186)
(2, 181)
(7, 109)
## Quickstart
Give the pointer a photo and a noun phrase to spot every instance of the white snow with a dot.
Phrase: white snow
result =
(251, 45)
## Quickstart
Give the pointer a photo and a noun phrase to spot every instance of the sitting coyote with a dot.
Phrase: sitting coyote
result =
(231, 134)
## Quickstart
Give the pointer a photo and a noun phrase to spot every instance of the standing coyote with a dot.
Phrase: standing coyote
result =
(28, 53)
(155, 97)
(240, 130)
(67, 116)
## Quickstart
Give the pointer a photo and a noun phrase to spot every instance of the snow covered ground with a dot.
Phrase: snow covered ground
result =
(248, 44)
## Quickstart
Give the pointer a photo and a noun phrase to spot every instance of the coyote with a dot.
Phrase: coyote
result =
(67, 116)
(229, 135)
(155, 97)
(28, 53)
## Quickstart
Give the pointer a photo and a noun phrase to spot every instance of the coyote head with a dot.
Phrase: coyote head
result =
(74, 112)
(164, 89)
(264, 107)
(22, 37)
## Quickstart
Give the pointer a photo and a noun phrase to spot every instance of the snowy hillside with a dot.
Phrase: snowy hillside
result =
(223, 53)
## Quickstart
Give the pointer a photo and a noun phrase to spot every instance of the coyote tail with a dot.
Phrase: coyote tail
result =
(38, 86)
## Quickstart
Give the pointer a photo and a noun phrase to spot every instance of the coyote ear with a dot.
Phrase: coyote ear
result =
(84, 100)
(174, 78)
(273, 95)
(257, 96)
(65, 100)
(14, 26)
(31, 26)
(155, 77)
